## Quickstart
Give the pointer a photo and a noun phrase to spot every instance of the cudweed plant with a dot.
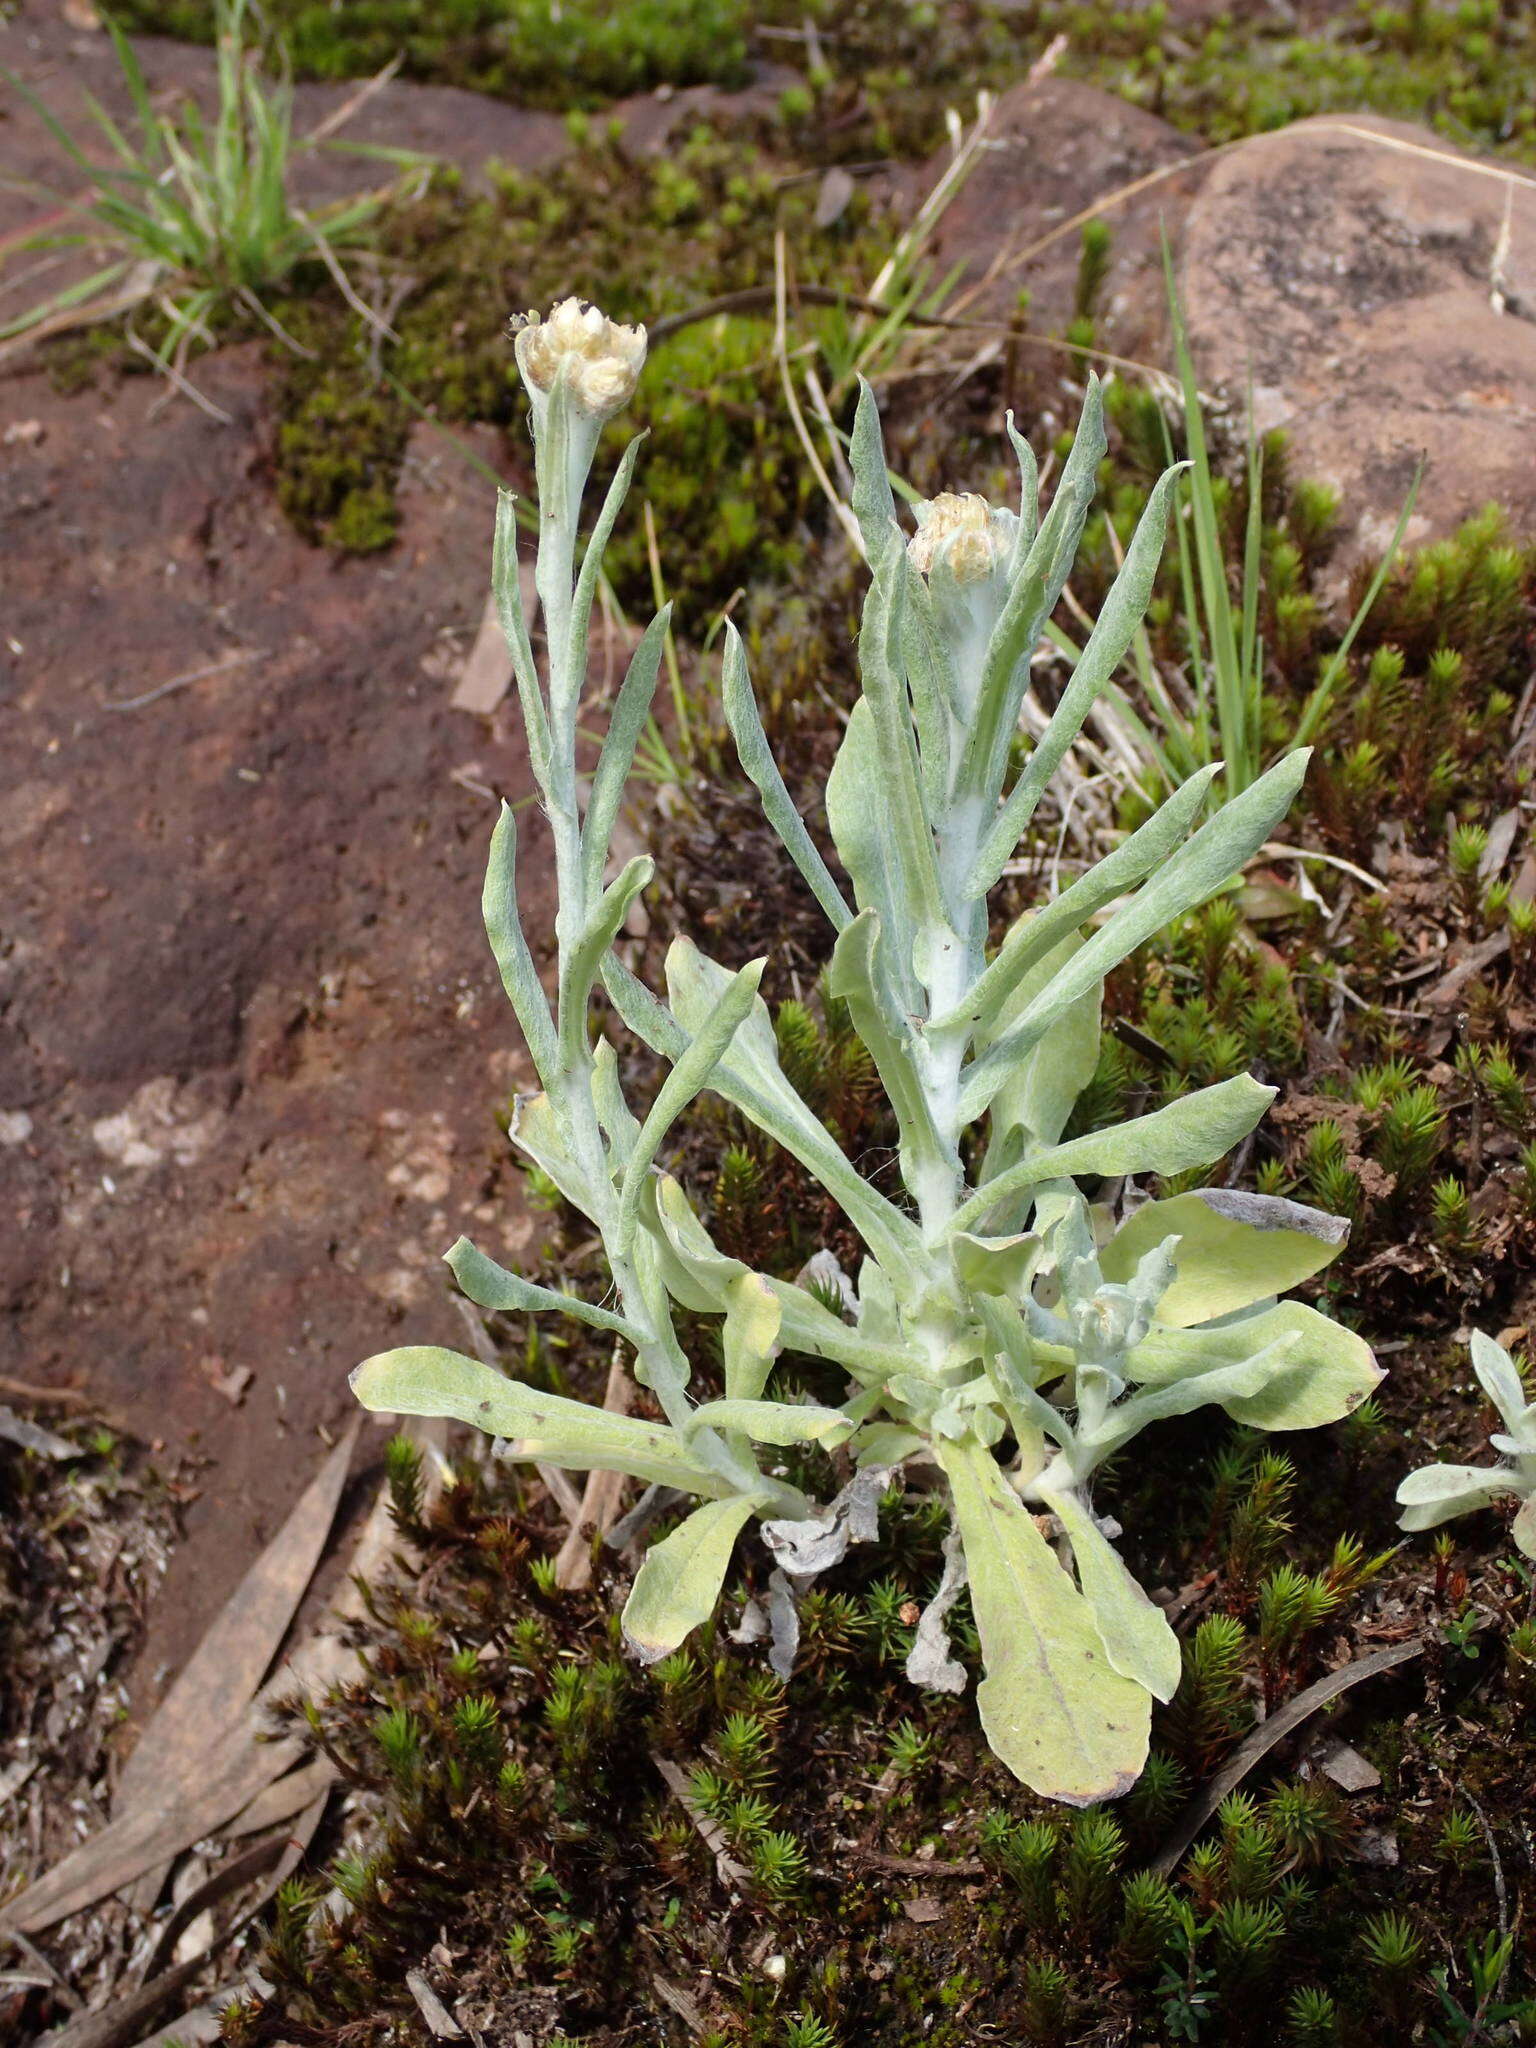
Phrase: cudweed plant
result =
(998, 1327)
(1437, 1493)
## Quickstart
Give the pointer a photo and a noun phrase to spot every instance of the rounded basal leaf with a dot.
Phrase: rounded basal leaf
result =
(1234, 1250)
(1524, 1531)
(1325, 1373)
(1054, 1708)
(1437, 1493)
(679, 1582)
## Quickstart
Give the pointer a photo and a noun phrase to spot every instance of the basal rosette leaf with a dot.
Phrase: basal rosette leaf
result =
(679, 1581)
(424, 1380)
(1054, 1708)
(1234, 1249)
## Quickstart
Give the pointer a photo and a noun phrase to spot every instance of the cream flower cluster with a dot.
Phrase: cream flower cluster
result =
(602, 359)
(972, 538)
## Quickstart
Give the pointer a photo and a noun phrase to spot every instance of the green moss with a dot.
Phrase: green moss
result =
(540, 52)
(727, 482)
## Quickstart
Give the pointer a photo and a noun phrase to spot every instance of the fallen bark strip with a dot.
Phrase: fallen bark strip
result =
(1264, 1738)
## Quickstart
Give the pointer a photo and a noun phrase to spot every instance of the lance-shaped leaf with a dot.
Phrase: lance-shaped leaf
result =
(1501, 1382)
(700, 1277)
(777, 1422)
(1115, 628)
(1032, 599)
(859, 978)
(1029, 496)
(626, 721)
(514, 629)
(710, 1037)
(856, 813)
(1234, 1249)
(678, 1584)
(892, 792)
(537, 1130)
(756, 757)
(581, 965)
(1039, 932)
(1196, 1130)
(1436, 1493)
(1327, 1371)
(931, 675)
(1136, 1637)
(1206, 864)
(585, 591)
(423, 1380)
(1208, 1384)
(504, 929)
(493, 1287)
(750, 1340)
(613, 1113)
(1055, 1710)
(1039, 1095)
(749, 1075)
(873, 504)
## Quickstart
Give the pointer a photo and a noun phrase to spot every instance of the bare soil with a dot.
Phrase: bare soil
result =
(251, 1039)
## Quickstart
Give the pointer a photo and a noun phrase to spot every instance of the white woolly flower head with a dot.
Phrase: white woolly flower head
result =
(602, 359)
(973, 540)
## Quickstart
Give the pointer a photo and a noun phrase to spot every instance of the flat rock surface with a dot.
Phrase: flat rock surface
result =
(1054, 147)
(1379, 288)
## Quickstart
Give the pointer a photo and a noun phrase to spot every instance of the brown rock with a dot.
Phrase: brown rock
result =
(1383, 301)
(1053, 148)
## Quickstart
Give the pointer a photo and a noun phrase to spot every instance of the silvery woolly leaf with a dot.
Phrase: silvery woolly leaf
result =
(504, 929)
(753, 1318)
(1055, 1711)
(859, 976)
(619, 1123)
(536, 1130)
(699, 1277)
(1036, 588)
(678, 1584)
(1234, 1250)
(1121, 613)
(582, 961)
(711, 1036)
(1202, 867)
(1039, 1093)
(493, 1287)
(756, 757)
(1327, 1370)
(874, 506)
(1038, 932)
(777, 1422)
(1524, 1531)
(996, 1265)
(1437, 1493)
(1501, 1382)
(631, 708)
(1136, 1636)
(856, 813)
(1196, 1130)
(423, 1380)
